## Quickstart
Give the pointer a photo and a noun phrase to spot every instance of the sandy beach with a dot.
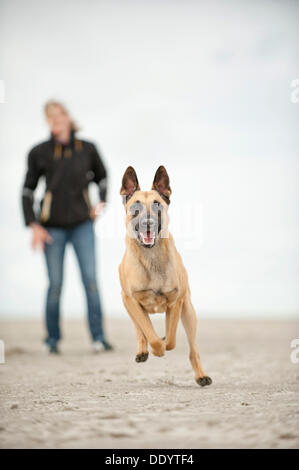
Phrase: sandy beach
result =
(83, 400)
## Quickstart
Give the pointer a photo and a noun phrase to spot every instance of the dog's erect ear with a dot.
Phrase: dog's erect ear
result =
(129, 183)
(161, 183)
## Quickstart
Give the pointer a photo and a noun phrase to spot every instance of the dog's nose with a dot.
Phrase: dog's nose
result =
(147, 223)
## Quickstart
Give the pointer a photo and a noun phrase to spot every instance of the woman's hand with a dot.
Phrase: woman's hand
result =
(40, 236)
(96, 210)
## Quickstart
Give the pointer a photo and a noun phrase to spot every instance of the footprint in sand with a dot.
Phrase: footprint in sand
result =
(15, 351)
(287, 435)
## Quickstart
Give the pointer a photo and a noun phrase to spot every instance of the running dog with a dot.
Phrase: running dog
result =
(152, 275)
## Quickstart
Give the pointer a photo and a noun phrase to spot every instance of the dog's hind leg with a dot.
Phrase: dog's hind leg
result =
(141, 317)
(189, 321)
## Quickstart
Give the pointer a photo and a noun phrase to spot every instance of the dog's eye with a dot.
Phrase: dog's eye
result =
(136, 208)
(156, 206)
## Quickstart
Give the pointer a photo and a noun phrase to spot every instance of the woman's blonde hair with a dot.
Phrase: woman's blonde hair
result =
(50, 103)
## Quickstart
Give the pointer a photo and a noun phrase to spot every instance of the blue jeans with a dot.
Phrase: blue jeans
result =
(83, 240)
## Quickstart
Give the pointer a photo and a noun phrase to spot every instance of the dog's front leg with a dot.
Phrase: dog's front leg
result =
(141, 317)
(173, 314)
(142, 351)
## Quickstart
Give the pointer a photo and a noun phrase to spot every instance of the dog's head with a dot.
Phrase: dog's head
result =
(146, 211)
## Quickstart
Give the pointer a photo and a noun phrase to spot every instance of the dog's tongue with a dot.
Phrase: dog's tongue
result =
(148, 238)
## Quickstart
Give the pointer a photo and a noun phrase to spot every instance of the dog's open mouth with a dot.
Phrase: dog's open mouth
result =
(147, 238)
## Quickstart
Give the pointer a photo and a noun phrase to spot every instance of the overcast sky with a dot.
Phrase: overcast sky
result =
(200, 87)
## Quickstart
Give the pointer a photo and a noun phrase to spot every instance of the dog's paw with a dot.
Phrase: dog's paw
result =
(170, 345)
(202, 381)
(142, 357)
(158, 348)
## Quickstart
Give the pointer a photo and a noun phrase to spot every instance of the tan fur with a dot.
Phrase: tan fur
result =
(155, 280)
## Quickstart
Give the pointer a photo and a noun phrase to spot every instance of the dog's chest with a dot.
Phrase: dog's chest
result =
(157, 274)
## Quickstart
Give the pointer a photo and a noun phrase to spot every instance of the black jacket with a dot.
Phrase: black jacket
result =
(68, 170)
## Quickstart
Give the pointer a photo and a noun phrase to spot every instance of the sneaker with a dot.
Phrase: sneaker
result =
(108, 346)
(54, 349)
(98, 347)
(51, 349)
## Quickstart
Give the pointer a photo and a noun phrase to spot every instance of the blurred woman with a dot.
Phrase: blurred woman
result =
(68, 164)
